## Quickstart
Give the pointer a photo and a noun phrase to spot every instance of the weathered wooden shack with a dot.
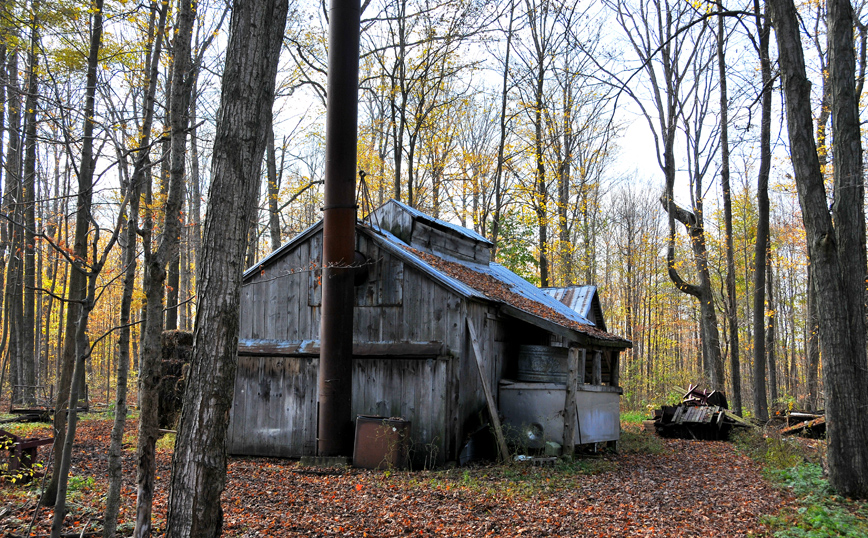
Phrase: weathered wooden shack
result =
(423, 286)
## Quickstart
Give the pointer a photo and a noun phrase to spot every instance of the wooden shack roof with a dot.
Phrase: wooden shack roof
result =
(583, 299)
(491, 282)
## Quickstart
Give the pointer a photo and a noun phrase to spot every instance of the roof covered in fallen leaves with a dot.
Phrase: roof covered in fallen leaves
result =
(487, 282)
(493, 282)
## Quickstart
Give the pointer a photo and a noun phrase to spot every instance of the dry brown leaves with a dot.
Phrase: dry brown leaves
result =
(693, 488)
(496, 290)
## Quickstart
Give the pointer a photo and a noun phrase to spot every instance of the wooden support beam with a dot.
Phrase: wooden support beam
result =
(289, 348)
(502, 449)
(597, 372)
(570, 401)
(583, 357)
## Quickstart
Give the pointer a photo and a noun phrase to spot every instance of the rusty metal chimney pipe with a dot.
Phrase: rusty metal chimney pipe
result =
(335, 437)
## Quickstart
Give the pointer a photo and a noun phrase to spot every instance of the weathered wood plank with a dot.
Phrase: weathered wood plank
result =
(583, 357)
(597, 372)
(274, 410)
(570, 401)
(430, 238)
(492, 408)
(274, 348)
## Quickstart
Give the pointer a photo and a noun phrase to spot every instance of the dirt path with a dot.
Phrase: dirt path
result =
(689, 489)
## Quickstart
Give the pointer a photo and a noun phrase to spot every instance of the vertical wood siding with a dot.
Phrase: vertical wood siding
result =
(274, 410)
(397, 303)
(275, 403)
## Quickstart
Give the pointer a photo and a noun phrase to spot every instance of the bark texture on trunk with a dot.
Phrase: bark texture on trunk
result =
(273, 191)
(157, 266)
(760, 401)
(28, 333)
(77, 280)
(732, 299)
(141, 170)
(837, 251)
(199, 463)
(813, 346)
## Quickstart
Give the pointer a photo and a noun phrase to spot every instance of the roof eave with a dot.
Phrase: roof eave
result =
(278, 252)
(560, 330)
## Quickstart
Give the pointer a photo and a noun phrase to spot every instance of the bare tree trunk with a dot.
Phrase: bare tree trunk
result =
(252, 241)
(732, 299)
(140, 175)
(4, 201)
(770, 331)
(84, 351)
(28, 333)
(760, 401)
(813, 344)
(564, 178)
(498, 174)
(836, 241)
(14, 197)
(199, 464)
(541, 194)
(76, 335)
(115, 461)
(195, 185)
(273, 189)
(173, 283)
(181, 89)
(848, 451)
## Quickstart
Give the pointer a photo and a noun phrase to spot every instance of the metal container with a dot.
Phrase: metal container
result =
(542, 364)
(533, 413)
(381, 442)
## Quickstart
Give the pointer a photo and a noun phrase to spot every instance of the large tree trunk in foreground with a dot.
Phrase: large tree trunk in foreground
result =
(199, 463)
(836, 242)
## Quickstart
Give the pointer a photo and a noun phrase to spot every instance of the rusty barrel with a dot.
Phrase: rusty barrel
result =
(542, 364)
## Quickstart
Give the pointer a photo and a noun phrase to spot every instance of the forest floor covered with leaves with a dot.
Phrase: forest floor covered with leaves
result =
(652, 487)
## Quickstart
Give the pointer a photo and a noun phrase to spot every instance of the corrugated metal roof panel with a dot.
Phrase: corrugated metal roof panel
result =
(579, 298)
(528, 290)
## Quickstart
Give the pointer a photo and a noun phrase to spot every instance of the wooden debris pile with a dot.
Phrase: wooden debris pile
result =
(812, 425)
(699, 415)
